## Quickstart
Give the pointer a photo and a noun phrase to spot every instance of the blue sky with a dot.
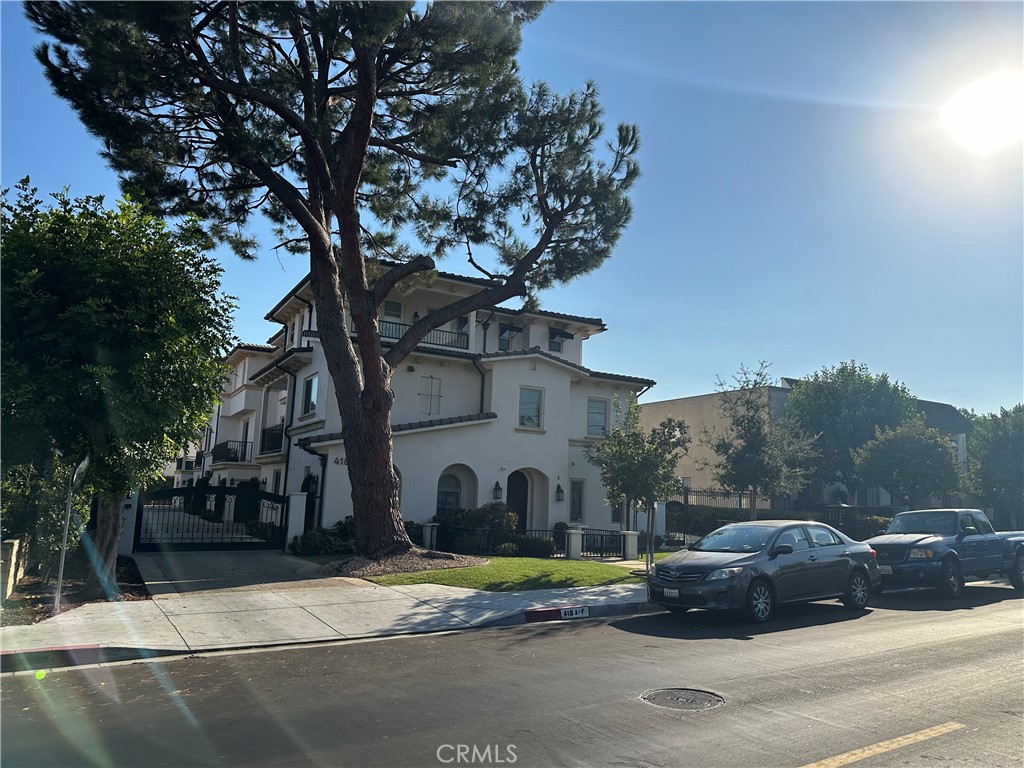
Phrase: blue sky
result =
(799, 203)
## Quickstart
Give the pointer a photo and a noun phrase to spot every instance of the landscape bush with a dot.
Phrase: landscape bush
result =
(494, 515)
(508, 549)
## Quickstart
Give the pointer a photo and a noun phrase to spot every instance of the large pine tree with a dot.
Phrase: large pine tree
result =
(378, 136)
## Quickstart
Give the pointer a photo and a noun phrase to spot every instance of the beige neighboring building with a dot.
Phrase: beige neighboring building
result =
(701, 411)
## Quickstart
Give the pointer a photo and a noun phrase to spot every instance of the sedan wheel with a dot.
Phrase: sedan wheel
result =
(857, 592)
(760, 602)
(951, 581)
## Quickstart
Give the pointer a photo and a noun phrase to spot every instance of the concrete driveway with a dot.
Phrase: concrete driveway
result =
(168, 573)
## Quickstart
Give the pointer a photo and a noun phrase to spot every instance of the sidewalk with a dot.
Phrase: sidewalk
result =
(183, 618)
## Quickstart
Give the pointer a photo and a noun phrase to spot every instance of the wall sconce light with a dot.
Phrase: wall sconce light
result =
(559, 493)
(497, 491)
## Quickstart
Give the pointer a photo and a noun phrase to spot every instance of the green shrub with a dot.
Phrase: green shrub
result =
(528, 546)
(345, 529)
(508, 549)
(560, 529)
(495, 515)
(320, 541)
(454, 518)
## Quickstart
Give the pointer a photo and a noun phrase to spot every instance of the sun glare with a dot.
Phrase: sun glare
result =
(987, 115)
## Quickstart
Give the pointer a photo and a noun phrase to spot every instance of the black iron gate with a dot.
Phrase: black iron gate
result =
(211, 518)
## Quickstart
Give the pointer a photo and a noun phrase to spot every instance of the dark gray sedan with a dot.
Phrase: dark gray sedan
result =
(754, 566)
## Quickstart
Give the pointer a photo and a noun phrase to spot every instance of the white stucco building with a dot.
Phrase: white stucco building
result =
(497, 405)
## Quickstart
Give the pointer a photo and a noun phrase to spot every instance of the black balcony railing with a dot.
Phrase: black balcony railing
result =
(186, 464)
(272, 439)
(438, 337)
(232, 450)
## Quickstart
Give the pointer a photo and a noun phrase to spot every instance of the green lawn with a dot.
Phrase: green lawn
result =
(511, 574)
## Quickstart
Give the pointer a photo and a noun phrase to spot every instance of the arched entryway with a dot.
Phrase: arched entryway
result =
(519, 497)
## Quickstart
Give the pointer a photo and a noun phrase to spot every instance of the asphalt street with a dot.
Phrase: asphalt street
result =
(914, 680)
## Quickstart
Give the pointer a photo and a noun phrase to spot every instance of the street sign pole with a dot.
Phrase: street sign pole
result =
(73, 483)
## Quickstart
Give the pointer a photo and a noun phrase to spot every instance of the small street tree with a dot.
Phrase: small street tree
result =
(844, 405)
(759, 453)
(378, 137)
(913, 462)
(639, 466)
(113, 325)
(995, 456)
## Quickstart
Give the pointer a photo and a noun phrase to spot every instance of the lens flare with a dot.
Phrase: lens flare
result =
(987, 115)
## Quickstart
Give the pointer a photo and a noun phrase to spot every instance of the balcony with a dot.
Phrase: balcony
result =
(437, 337)
(272, 439)
(232, 450)
(186, 464)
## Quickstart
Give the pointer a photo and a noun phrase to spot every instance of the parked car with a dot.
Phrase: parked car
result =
(940, 548)
(754, 566)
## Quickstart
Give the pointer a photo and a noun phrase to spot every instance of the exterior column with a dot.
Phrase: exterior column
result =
(296, 517)
(430, 535)
(629, 545)
(574, 544)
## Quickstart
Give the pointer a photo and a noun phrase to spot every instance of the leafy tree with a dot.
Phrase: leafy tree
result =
(35, 502)
(995, 456)
(844, 405)
(758, 452)
(912, 462)
(377, 136)
(113, 325)
(636, 465)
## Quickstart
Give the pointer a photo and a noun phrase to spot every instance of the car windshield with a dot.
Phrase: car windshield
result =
(735, 538)
(924, 522)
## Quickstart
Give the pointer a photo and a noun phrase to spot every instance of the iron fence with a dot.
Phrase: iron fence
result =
(602, 543)
(529, 542)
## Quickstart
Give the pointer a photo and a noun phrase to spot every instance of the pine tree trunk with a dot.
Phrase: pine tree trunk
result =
(362, 388)
(102, 580)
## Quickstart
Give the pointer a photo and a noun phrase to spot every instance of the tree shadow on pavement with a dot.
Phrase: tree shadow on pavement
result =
(699, 625)
(973, 596)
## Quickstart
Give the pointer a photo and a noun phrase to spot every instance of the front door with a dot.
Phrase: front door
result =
(519, 496)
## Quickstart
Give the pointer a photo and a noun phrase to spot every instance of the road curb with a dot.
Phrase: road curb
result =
(64, 657)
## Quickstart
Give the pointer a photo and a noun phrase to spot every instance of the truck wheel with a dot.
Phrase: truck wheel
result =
(760, 602)
(857, 592)
(951, 581)
(1017, 572)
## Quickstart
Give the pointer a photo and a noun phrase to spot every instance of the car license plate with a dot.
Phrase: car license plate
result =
(885, 570)
(671, 593)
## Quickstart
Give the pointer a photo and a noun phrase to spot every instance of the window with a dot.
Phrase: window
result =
(309, 395)
(982, 524)
(575, 501)
(597, 417)
(617, 512)
(795, 537)
(245, 433)
(505, 335)
(449, 493)
(277, 481)
(556, 336)
(822, 537)
(391, 324)
(430, 395)
(530, 402)
(393, 311)
(461, 324)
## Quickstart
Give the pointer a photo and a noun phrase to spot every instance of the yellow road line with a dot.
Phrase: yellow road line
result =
(886, 746)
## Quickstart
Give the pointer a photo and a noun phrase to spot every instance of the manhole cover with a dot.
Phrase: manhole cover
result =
(683, 698)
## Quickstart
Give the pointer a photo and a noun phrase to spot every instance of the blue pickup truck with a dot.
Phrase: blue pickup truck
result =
(942, 547)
